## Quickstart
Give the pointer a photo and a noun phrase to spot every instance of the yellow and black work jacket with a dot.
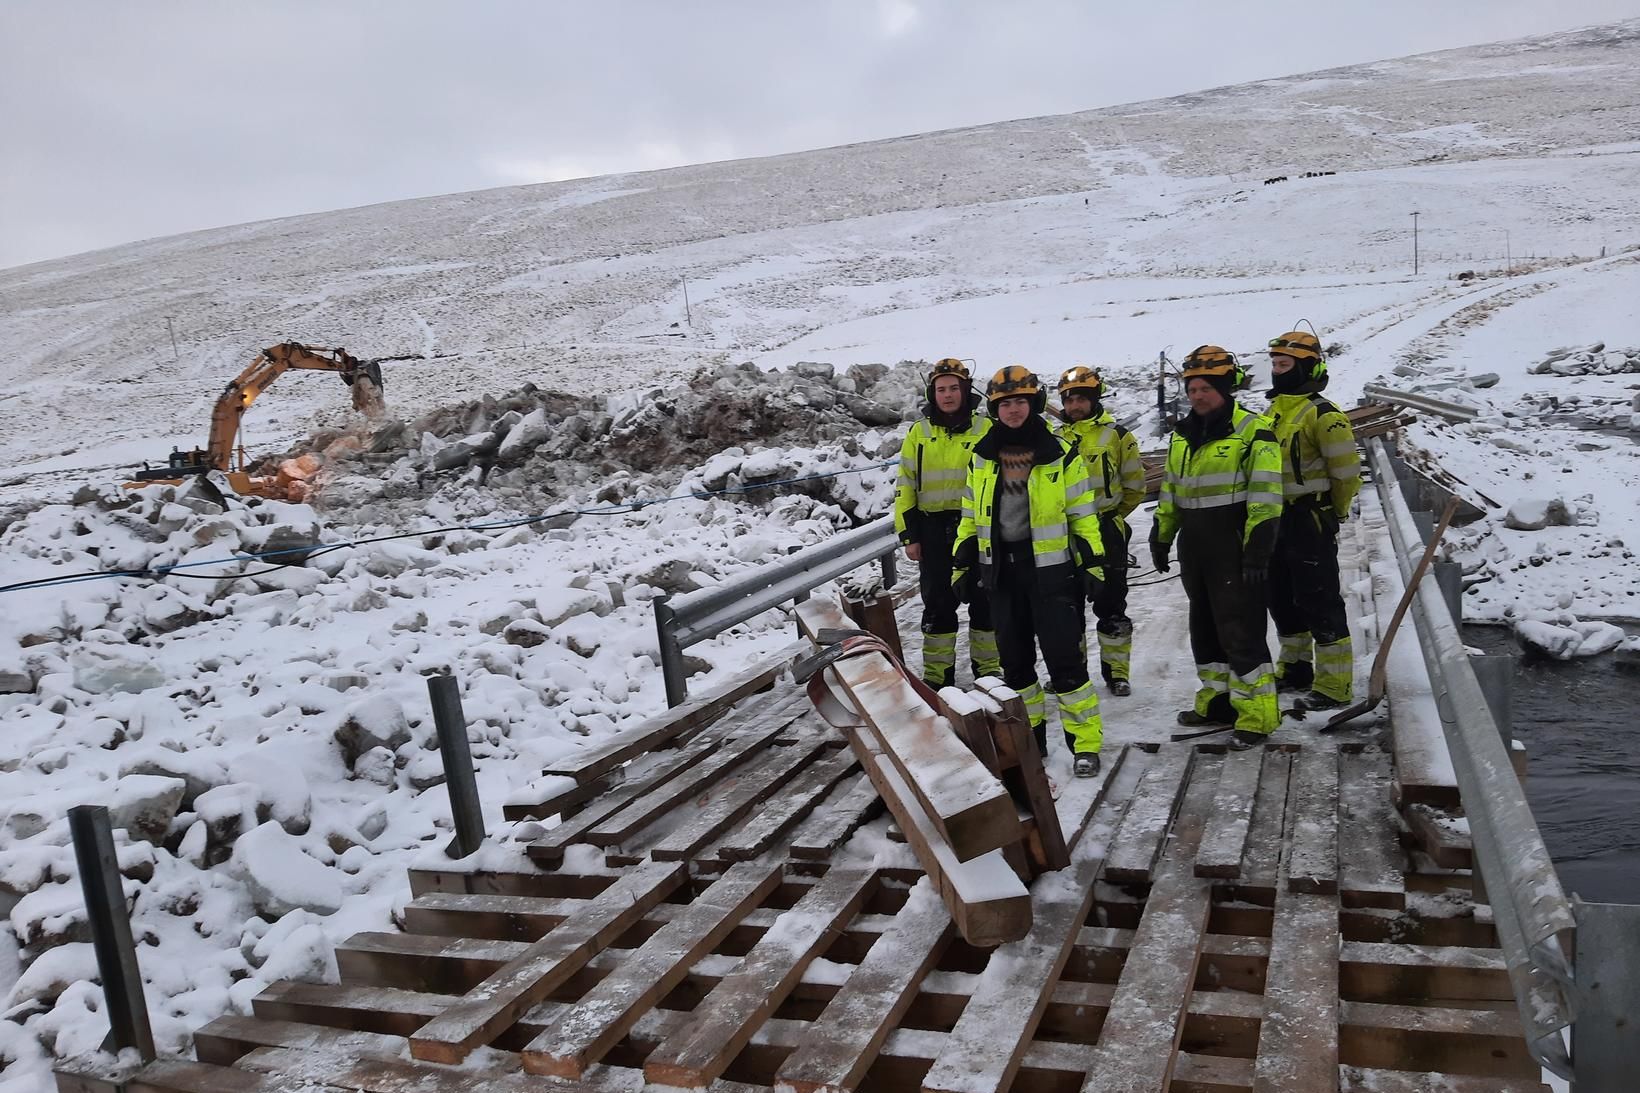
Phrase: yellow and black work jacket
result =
(1319, 463)
(1064, 524)
(933, 471)
(1229, 466)
(1112, 455)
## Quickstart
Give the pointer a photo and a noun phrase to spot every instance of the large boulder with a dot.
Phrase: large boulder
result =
(374, 722)
(145, 805)
(281, 877)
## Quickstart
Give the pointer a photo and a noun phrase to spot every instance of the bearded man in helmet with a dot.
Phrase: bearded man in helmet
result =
(1112, 455)
(1320, 475)
(1029, 541)
(927, 506)
(1221, 500)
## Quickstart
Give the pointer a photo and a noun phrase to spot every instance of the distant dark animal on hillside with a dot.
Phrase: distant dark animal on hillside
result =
(1278, 178)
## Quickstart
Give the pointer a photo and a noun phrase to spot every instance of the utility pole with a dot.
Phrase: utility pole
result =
(1508, 255)
(173, 331)
(686, 314)
(1415, 244)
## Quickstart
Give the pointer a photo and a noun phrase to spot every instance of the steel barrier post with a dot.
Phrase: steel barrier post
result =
(110, 930)
(1424, 521)
(1605, 1036)
(1449, 575)
(458, 765)
(677, 684)
(888, 569)
(1496, 675)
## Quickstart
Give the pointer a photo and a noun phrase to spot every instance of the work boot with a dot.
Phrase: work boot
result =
(1039, 732)
(1121, 688)
(1087, 764)
(1242, 739)
(1296, 676)
(1190, 719)
(1315, 700)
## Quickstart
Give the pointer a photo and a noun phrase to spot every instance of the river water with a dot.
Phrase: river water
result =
(1580, 723)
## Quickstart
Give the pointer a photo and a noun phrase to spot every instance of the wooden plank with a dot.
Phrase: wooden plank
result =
(1261, 861)
(230, 1036)
(398, 1076)
(1078, 807)
(1312, 864)
(1388, 972)
(495, 1003)
(1372, 874)
(1442, 836)
(627, 822)
(968, 805)
(831, 825)
(181, 1076)
(594, 1024)
(1049, 843)
(971, 725)
(847, 1037)
(1298, 1040)
(1360, 1079)
(986, 1047)
(986, 899)
(1481, 1042)
(549, 849)
(736, 795)
(816, 781)
(728, 1017)
(594, 762)
(1135, 1052)
(1139, 837)
(1226, 839)
(552, 795)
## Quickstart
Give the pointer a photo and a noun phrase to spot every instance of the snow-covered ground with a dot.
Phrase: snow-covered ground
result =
(268, 734)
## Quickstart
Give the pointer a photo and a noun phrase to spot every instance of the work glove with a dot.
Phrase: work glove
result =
(965, 570)
(1255, 556)
(1093, 582)
(1159, 551)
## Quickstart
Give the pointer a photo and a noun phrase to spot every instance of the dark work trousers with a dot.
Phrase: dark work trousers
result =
(1226, 619)
(1111, 606)
(937, 532)
(1304, 587)
(1032, 609)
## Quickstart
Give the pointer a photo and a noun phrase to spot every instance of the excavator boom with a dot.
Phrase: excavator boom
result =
(364, 377)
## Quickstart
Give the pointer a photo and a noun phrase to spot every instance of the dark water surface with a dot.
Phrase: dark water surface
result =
(1580, 722)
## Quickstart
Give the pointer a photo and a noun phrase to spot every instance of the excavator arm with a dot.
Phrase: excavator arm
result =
(268, 366)
(364, 377)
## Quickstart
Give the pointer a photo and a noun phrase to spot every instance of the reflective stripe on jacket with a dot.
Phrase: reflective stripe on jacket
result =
(1318, 453)
(1112, 455)
(1062, 509)
(933, 470)
(1239, 464)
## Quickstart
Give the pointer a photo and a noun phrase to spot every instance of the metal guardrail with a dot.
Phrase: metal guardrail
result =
(696, 616)
(1455, 411)
(1534, 919)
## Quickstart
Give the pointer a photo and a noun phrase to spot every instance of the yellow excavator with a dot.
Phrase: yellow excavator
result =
(223, 453)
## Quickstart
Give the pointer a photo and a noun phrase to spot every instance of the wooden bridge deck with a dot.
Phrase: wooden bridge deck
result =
(1266, 920)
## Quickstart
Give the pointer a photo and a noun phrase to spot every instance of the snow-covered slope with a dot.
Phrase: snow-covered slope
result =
(267, 732)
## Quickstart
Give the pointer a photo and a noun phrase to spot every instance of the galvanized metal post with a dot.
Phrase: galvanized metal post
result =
(1496, 675)
(458, 765)
(677, 684)
(1449, 576)
(110, 930)
(888, 569)
(1605, 1036)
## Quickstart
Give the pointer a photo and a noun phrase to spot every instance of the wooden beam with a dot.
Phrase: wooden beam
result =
(1312, 863)
(735, 797)
(1226, 837)
(594, 1024)
(494, 1004)
(1372, 873)
(1138, 841)
(723, 1023)
(829, 826)
(789, 807)
(847, 1037)
(181, 1076)
(1136, 1049)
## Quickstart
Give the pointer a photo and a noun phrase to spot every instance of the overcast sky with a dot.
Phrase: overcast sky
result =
(123, 120)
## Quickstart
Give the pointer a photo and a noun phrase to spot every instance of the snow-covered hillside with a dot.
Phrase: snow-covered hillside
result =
(266, 732)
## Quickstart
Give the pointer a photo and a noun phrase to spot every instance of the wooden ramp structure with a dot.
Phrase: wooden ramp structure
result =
(712, 910)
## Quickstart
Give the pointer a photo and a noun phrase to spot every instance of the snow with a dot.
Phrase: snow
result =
(1106, 237)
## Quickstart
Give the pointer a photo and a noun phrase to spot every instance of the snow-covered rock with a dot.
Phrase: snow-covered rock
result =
(374, 722)
(281, 877)
(1535, 514)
